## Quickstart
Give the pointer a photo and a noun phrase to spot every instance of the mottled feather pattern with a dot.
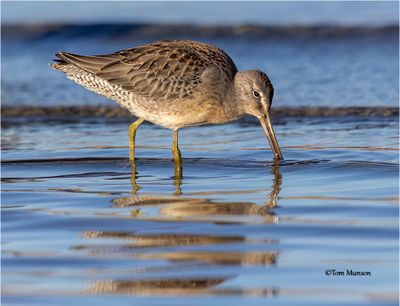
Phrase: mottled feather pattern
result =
(163, 70)
(97, 85)
(175, 84)
(172, 83)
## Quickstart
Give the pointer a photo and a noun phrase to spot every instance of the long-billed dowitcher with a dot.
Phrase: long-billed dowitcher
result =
(175, 84)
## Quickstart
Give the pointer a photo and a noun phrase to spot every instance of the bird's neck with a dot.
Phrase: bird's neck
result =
(231, 104)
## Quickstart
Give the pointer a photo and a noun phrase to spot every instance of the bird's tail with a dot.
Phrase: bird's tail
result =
(60, 63)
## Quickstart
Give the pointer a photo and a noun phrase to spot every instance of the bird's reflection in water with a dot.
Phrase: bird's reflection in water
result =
(178, 172)
(218, 258)
(187, 253)
(205, 209)
(175, 287)
(143, 241)
(139, 245)
(165, 247)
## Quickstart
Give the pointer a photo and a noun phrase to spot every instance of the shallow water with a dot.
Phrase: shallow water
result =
(237, 229)
(313, 70)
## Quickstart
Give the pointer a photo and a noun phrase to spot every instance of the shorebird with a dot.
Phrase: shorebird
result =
(175, 84)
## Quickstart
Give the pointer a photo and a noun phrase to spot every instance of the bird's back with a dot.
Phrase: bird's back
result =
(164, 70)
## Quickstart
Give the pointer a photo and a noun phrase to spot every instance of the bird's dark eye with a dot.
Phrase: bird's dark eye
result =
(256, 94)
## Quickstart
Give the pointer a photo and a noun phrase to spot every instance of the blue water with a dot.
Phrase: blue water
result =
(242, 230)
(78, 228)
(234, 12)
(349, 71)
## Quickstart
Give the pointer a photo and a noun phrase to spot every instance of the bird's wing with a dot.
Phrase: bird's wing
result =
(163, 70)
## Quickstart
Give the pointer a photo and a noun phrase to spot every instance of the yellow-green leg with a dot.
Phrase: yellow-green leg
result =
(177, 154)
(135, 186)
(177, 162)
(132, 133)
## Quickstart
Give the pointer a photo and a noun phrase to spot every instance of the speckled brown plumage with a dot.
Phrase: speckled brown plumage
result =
(173, 83)
(163, 71)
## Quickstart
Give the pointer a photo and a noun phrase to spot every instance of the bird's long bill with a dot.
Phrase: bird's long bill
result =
(269, 131)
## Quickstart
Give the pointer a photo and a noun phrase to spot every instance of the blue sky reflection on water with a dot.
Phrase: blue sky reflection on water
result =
(280, 13)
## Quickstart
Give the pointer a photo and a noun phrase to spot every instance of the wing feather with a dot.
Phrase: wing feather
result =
(162, 70)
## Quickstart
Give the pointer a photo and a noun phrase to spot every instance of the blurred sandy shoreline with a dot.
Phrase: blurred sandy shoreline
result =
(117, 31)
(118, 112)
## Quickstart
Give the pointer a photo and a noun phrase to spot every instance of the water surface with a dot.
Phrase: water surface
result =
(237, 229)
(79, 229)
(307, 66)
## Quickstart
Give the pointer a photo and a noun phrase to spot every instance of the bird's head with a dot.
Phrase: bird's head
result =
(255, 92)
